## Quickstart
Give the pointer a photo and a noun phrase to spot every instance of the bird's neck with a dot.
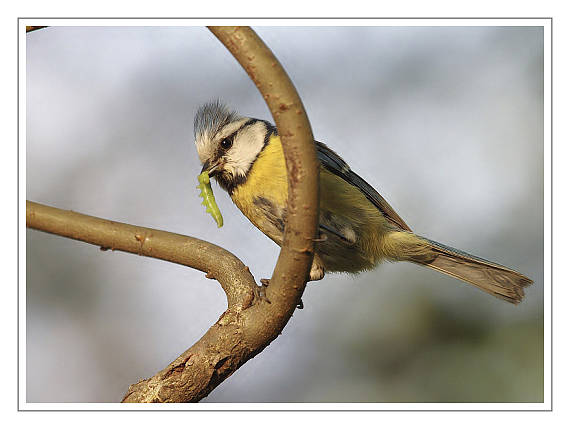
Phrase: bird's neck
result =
(267, 177)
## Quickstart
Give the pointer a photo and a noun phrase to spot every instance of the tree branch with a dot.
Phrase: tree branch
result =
(291, 271)
(248, 325)
(218, 263)
(30, 28)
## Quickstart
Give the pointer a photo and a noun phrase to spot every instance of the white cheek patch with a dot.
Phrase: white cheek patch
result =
(247, 145)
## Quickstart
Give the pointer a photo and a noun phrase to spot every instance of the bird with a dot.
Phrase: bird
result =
(357, 228)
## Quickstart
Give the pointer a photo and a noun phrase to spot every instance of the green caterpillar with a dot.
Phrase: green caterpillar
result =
(209, 201)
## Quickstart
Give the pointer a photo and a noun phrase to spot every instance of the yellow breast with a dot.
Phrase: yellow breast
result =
(356, 224)
(265, 190)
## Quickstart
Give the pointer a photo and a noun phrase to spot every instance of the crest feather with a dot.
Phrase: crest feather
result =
(212, 117)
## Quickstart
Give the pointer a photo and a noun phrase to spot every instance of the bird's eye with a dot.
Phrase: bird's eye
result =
(226, 143)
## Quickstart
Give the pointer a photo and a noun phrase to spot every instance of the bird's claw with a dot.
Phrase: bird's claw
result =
(260, 290)
(260, 293)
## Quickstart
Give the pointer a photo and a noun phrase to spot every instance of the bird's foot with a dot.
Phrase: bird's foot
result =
(260, 291)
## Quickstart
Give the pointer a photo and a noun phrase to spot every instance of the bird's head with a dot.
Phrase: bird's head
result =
(228, 143)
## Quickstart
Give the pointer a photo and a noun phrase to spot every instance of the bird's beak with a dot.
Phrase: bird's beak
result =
(212, 169)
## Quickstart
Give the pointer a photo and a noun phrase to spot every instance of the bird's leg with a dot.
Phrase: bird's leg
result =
(260, 293)
(260, 290)
(317, 269)
(317, 273)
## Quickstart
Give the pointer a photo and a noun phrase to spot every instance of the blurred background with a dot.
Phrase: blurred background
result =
(445, 122)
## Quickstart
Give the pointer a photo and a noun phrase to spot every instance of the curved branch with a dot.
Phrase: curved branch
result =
(218, 263)
(291, 271)
(30, 28)
(248, 325)
(239, 336)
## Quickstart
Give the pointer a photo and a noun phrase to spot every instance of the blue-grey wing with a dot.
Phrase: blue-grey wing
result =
(336, 165)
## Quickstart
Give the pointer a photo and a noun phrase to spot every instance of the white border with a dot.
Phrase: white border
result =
(302, 406)
(547, 213)
(22, 217)
(418, 22)
(316, 22)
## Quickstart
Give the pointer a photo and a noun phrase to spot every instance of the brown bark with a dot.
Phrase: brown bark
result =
(217, 263)
(30, 28)
(248, 325)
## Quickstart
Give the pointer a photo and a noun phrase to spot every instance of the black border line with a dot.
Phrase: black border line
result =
(300, 18)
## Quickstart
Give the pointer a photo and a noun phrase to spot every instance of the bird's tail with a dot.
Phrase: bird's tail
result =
(490, 277)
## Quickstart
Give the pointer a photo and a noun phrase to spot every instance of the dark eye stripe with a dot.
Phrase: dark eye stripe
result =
(229, 140)
(247, 124)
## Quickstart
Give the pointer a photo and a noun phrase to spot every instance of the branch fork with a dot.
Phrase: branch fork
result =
(249, 324)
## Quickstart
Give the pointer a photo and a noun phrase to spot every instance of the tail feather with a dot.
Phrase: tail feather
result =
(488, 276)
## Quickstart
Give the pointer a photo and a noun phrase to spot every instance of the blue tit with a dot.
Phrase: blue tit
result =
(358, 228)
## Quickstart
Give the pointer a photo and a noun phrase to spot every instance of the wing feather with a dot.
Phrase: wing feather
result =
(336, 165)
